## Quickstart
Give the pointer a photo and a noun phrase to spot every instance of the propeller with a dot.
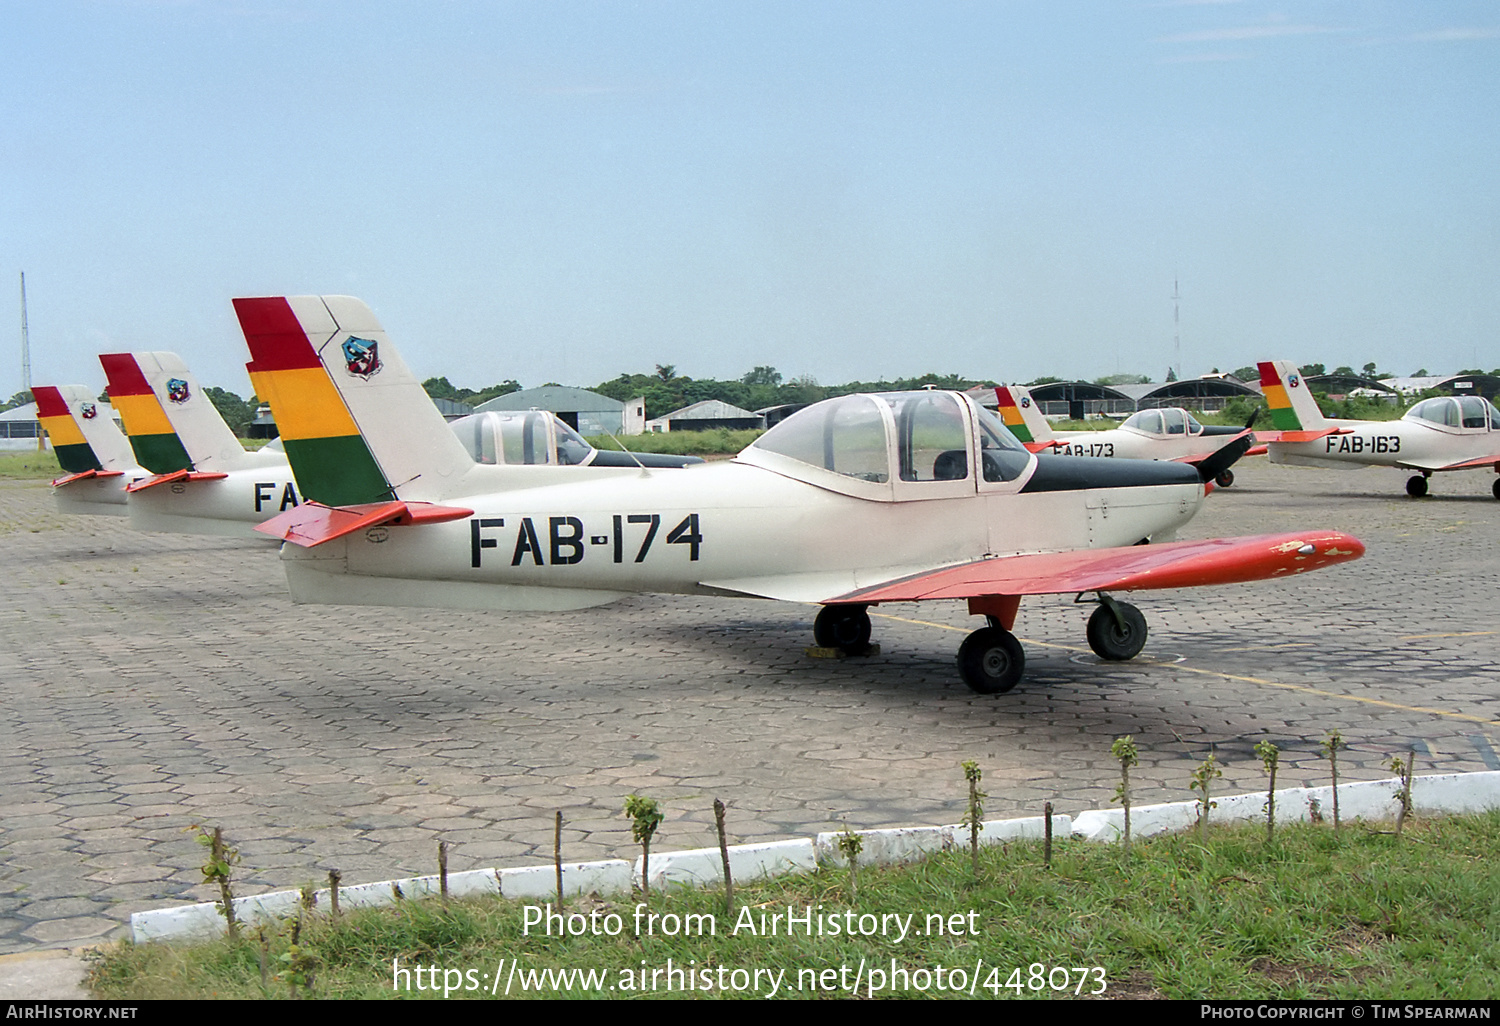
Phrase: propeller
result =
(1224, 458)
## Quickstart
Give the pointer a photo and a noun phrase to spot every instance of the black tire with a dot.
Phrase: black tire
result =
(1495, 488)
(991, 660)
(1225, 479)
(1416, 486)
(843, 627)
(1115, 641)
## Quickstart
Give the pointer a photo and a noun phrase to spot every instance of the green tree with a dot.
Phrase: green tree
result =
(19, 399)
(237, 412)
(1312, 370)
(762, 376)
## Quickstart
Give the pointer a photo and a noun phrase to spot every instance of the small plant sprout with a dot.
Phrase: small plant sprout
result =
(850, 845)
(1203, 778)
(1403, 769)
(221, 859)
(645, 816)
(1124, 749)
(298, 963)
(557, 856)
(974, 816)
(1330, 746)
(724, 856)
(1270, 755)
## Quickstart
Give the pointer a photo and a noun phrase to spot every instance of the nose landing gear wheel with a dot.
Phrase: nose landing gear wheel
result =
(1416, 486)
(991, 660)
(1117, 638)
(1225, 479)
(842, 627)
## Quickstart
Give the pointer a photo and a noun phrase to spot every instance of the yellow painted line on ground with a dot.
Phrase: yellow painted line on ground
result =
(1382, 703)
(1462, 634)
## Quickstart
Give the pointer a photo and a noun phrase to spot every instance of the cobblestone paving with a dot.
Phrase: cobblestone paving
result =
(151, 682)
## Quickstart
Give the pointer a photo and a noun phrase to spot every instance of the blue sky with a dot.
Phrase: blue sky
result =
(567, 191)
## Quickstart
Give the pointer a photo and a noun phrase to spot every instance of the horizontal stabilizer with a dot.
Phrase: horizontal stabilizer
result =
(1311, 436)
(313, 523)
(83, 475)
(176, 475)
(1137, 567)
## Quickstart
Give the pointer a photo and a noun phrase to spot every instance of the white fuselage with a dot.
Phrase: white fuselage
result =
(1130, 444)
(227, 506)
(572, 537)
(1413, 444)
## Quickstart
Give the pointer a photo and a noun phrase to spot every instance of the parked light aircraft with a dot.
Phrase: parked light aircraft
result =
(851, 502)
(1167, 433)
(93, 453)
(205, 482)
(202, 481)
(1438, 434)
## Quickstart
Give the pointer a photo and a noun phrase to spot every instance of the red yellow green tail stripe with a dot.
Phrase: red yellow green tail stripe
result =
(74, 454)
(1011, 415)
(1283, 414)
(329, 458)
(156, 445)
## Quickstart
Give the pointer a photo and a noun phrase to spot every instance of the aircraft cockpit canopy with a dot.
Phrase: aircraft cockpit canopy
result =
(1169, 421)
(1473, 412)
(893, 438)
(524, 437)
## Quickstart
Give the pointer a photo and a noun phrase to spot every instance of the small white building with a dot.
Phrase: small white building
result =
(706, 416)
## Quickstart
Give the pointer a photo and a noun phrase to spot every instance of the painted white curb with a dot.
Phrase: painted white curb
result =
(701, 867)
(1370, 800)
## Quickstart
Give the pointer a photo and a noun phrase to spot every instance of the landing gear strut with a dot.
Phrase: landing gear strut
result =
(1117, 630)
(1416, 486)
(843, 627)
(991, 660)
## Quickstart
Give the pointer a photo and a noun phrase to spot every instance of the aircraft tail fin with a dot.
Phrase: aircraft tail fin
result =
(1292, 406)
(83, 432)
(152, 437)
(1024, 418)
(208, 440)
(356, 423)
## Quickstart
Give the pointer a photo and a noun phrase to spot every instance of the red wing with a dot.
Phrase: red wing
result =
(1474, 464)
(313, 523)
(1138, 567)
(176, 475)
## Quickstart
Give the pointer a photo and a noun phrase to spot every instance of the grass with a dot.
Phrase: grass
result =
(29, 466)
(1312, 915)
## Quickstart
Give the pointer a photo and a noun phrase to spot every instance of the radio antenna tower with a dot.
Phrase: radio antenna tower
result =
(1176, 332)
(25, 340)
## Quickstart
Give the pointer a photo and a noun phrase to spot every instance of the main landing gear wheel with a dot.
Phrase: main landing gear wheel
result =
(991, 660)
(843, 627)
(1117, 637)
(1416, 486)
(1495, 488)
(1225, 479)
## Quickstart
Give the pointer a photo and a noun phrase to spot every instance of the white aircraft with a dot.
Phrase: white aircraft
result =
(203, 481)
(93, 453)
(1168, 433)
(1439, 434)
(851, 502)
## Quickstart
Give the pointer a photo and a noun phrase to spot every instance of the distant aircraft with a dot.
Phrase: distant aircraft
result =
(94, 455)
(1439, 434)
(851, 502)
(202, 481)
(205, 482)
(1168, 433)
